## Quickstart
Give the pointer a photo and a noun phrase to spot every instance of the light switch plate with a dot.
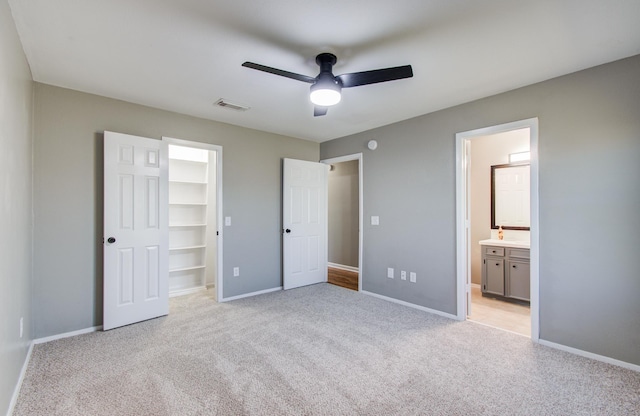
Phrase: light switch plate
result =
(412, 277)
(227, 221)
(390, 273)
(375, 220)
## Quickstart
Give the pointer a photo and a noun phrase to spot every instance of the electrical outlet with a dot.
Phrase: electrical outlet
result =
(403, 275)
(412, 277)
(390, 273)
(236, 271)
(375, 220)
(21, 327)
(227, 221)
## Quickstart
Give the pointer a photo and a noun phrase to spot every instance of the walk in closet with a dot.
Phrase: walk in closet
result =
(192, 219)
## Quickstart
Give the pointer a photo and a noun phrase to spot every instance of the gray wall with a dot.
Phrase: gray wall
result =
(16, 91)
(589, 147)
(343, 213)
(68, 199)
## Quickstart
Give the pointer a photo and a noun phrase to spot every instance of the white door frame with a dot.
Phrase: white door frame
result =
(462, 207)
(219, 220)
(347, 158)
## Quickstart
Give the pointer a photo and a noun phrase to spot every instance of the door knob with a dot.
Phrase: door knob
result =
(111, 240)
(287, 231)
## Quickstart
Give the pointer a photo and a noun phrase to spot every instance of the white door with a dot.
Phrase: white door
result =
(136, 232)
(304, 216)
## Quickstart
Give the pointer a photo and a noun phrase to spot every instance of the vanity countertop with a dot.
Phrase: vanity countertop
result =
(505, 243)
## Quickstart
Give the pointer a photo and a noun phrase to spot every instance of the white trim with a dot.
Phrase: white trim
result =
(189, 291)
(586, 354)
(23, 372)
(498, 328)
(359, 158)
(410, 305)
(248, 295)
(475, 285)
(68, 334)
(219, 220)
(462, 203)
(343, 267)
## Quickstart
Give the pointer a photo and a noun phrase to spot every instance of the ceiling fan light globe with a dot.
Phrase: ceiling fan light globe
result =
(325, 97)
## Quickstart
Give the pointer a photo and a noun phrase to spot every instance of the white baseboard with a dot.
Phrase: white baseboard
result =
(343, 267)
(23, 371)
(591, 355)
(182, 292)
(411, 305)
(67, 334)
(248, 295)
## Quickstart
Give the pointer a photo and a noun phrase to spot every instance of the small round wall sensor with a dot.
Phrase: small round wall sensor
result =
(373, 145)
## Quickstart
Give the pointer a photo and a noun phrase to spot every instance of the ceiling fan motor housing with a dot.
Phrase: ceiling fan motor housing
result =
(326, 61)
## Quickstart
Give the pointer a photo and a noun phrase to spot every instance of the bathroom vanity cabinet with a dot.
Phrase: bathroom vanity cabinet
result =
(505, 271)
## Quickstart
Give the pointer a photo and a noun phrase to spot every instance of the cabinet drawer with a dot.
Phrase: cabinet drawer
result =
(520, 253)
(493, 251)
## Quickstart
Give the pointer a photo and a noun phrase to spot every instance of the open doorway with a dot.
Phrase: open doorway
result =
(497, 266)
(345, 221)
(493, 244)
(195, 244)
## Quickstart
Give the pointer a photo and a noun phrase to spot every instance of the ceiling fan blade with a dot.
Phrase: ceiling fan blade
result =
(377, 75)
(320, 111)
(280, 72)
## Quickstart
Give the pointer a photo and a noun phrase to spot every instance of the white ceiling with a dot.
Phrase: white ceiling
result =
(183, 55)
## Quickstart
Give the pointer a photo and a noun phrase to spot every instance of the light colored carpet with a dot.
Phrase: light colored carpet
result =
(318, 350)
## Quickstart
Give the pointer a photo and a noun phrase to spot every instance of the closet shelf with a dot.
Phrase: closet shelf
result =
(186, 225)
(182, 269)
(189, 182)
(189, 203)
(186, 248)
(189, 161)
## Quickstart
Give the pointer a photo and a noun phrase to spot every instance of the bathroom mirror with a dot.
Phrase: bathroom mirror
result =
(510, 196)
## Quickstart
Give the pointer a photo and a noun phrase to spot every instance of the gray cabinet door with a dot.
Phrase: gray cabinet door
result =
(493, 273)
(518, 277)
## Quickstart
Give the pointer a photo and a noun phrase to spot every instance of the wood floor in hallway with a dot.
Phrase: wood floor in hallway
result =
(343, 278)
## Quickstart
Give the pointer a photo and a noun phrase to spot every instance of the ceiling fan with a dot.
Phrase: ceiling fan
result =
(326, 87)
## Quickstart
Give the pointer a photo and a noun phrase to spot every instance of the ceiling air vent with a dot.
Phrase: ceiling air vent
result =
(226, 104)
